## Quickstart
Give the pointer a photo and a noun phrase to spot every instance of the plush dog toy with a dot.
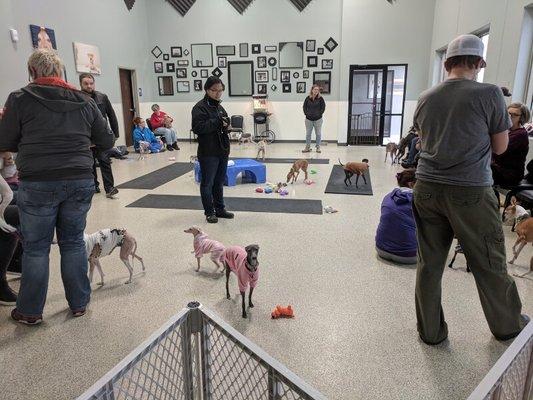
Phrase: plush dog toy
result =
(282, 312)
(203, 245)
(103, 242)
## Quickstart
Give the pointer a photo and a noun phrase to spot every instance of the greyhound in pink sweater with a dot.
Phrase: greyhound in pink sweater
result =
(203, 245)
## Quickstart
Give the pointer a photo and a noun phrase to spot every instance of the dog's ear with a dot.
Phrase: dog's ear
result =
(251, 247)
(513, 201)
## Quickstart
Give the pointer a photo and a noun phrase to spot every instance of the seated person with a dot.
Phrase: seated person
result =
(508, 167)
(162, 126)
(396, 233)
(412, 156)
(144, 137)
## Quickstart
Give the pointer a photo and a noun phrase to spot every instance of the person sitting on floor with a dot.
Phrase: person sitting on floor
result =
(508, 167)
(396, 233)
(162, 126)
(142, 136)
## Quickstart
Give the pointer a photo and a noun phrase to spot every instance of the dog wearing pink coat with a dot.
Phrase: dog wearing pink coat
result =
(203, 245)
(243, 263)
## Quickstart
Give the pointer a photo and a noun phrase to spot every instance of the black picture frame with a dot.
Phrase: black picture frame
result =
(295, 74)
(320, 51)
(167, 89)
(156, 52)
(310, 45)
(256, 48)
(273, 87)
(158, 67)
(274, 74)
(327, 63)
(171, 67)
(181, 73)
(261, 77)
(204, 73)
(312, 61)
(225, 50)
(222, 62)
(183, 87)
(192, 54)
(176, 51)
(194, 74)
(217, 72)
(285, 76)
(198, 86)
(182, 63)
(287, 88)
(271, 49)
(324, 84)
(186, 52)
(243, 49)
(251, 86)
(305, 74)
(301, 87)
(262, 88)
(272, 61)
(331, 44)
(166, 57)
(261, 62)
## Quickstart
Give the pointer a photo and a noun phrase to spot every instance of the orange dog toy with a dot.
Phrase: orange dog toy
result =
(282, 312)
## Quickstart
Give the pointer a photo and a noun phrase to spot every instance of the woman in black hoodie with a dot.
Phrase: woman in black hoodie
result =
(210, 123)
(314, 107)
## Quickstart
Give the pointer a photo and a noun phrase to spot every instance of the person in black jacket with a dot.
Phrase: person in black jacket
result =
(104, 105)
(52, 126)
(211, 123)
(314, 107)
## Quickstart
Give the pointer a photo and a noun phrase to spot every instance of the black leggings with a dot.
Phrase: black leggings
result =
(8, 241)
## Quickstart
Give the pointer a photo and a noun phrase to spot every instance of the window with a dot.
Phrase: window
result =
(485, 39)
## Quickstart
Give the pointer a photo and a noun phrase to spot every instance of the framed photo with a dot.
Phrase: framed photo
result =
(261, 62)
(287, 88)
(285, 76)
(198, 85)
(156, 52)
(87, 58)
(175, 51)
(271, 49)
(296, 75)
(323, 79)
(181, 73)
(225, 50)
(222, 62)
(312, 61)
(43, 38)
(204, 73)
(183, 86)
(310, 45)
(327, 63)
(243, 49)
(273, 87)
(262, 88)
(305, 74)
(186, 52)
(300, 87)
(320, 51)
(272, 61)
(166, 57)
(194, 74)
(166, 85)
(158, 67)
(261, 76)
(217, 72)
(171, 67)
(256, 48)
(274, 74)
(183, 63)
(331, 44)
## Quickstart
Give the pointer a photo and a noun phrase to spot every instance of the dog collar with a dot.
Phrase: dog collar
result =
(521, 218)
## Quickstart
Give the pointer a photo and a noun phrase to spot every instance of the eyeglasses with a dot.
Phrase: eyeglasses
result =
(216, 91)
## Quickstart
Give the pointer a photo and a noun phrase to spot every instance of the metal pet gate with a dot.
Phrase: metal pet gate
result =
(196, 355)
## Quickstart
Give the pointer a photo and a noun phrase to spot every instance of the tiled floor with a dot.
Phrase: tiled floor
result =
(354, 335)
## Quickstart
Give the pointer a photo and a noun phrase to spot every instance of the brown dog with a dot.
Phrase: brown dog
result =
(295, 170)
(523, 227)
(354, 168)
(391, 148)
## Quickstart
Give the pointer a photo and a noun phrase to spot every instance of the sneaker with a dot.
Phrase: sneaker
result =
(318, 149)
(175, 146)
(79, 312)
(307, 149)
(25, 319)
(112, 193)
(169, 147)
(224, 214)
(7, 296)
(212, 219)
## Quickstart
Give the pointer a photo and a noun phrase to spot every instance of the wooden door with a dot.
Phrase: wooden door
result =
(128, 107)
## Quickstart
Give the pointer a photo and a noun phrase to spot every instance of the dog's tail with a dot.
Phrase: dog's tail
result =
(342, 165)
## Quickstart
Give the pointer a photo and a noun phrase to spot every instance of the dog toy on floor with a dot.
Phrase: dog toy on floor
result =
(313, 171)
(282, 312)
(330, 210)
(309, 181)
(259, 190)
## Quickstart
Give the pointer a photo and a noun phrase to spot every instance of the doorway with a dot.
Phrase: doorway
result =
(376, 103)
(127, 79)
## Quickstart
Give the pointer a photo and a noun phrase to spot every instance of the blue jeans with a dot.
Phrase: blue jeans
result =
(412, 150)
(44, 207)
(309, 125)
(169, 134)
(212, 183)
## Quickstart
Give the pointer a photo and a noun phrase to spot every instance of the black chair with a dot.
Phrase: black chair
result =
(261, 118)
(237, 126)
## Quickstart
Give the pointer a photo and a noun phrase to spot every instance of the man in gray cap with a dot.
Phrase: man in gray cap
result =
(460, 123)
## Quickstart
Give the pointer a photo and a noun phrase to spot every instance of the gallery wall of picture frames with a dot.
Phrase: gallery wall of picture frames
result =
(246, 68)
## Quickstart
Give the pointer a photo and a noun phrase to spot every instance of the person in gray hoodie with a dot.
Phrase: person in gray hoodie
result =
(52, 126)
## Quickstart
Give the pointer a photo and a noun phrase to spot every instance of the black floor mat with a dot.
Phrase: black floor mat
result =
(158, 177)
(287, 160)
(336, 183)
(271, 205)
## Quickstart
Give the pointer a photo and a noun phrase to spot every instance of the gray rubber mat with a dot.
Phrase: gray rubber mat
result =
(336, 183)
(266, 204)
(158, 177)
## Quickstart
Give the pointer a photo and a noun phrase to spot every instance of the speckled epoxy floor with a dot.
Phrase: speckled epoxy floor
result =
(354, 335)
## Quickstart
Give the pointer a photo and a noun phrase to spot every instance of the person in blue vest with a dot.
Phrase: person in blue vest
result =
(141, 133)
(396, 233)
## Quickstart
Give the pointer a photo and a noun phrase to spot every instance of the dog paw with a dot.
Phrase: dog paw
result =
(244, 315)
(228, 296)
(251, 305)
(127, 282)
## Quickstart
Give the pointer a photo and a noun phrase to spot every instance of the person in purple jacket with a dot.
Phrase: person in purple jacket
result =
(396, 233)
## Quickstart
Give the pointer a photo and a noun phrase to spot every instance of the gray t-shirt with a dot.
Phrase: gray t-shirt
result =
(455, 120)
